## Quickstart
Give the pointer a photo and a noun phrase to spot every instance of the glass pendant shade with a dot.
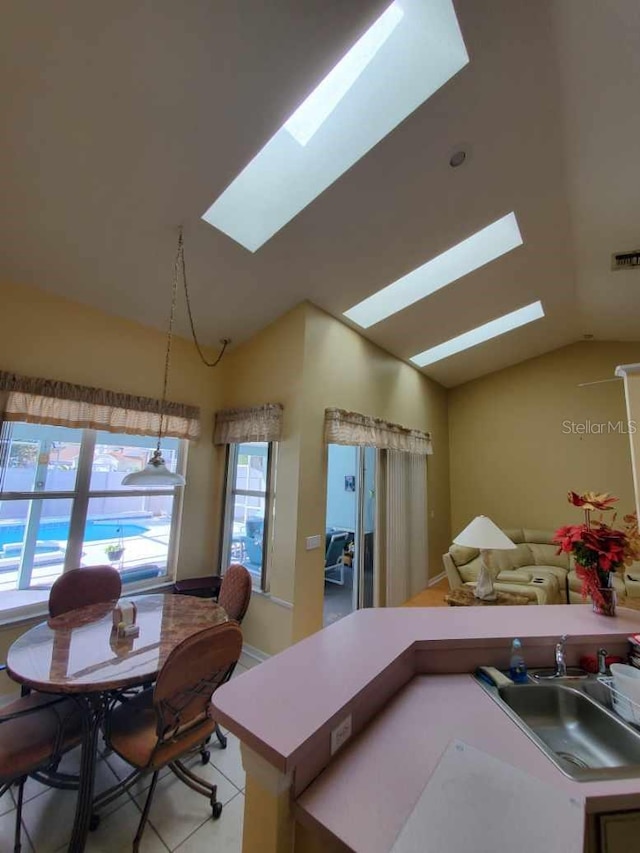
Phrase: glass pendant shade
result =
(155, 473)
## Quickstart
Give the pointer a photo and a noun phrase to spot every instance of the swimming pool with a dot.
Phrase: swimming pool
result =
(58, 531)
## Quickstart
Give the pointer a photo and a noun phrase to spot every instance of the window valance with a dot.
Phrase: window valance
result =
(257, 423)
(342, 427)
(47, 401)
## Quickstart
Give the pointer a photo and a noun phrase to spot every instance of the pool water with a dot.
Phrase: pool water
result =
(10, 534)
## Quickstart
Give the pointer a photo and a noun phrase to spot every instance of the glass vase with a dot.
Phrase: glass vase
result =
(603, 601)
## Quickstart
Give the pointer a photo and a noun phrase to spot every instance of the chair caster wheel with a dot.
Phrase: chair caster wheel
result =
(216, 810)
(205, 755)
(94, 822)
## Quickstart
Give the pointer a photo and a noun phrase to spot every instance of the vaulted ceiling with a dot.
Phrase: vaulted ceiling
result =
(122, 120)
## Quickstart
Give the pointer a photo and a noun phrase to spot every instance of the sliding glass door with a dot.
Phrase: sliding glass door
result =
(350, 531)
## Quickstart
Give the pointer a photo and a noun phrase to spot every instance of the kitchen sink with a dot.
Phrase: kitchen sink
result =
(585, 740)
(573, 673)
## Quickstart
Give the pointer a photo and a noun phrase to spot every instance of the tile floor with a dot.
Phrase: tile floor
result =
(180, 819)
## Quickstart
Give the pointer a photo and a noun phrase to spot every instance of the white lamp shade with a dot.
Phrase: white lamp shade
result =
(484, 534)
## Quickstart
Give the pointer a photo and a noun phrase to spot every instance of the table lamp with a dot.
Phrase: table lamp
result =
(482, 533)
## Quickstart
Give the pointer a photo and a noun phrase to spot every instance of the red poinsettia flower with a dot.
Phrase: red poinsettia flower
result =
(598, 548)
(592, 501)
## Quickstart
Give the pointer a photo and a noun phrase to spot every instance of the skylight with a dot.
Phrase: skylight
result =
(492, 329)
(325, 98)
(408, 53)
(484, 246)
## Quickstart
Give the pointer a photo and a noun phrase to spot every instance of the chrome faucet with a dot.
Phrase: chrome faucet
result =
(602, 662)
(561, 664)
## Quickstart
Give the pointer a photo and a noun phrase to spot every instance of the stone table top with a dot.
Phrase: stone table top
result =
(79, 651)
(465, 597)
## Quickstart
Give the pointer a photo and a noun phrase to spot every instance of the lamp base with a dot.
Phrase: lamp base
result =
(484, 587)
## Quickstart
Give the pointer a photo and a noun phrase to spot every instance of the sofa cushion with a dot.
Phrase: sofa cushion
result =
(514, 576)
(462, 555)
(547, 555)
(514, 558)
(469, 571)
(555, 571)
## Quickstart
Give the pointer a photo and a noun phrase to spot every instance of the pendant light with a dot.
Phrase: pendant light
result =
(155, 472)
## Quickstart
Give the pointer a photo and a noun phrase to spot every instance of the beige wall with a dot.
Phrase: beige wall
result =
(44, 335)
(309, 361)
(632, 397)
(268, 369)
(344, 370)
(514, 458)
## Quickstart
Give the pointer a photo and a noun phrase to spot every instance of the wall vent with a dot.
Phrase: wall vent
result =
(626, 261)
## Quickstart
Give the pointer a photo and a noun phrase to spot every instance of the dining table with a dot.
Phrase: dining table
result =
(81, 654)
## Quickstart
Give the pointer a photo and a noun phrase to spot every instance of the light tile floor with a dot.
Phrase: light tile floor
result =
(180, 819)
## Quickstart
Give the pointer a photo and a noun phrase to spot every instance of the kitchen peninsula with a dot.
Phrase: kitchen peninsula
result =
(399, 680)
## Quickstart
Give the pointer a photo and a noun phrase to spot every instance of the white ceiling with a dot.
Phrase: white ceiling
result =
(121, 120)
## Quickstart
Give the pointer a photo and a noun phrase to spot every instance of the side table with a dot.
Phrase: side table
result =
(464, 597)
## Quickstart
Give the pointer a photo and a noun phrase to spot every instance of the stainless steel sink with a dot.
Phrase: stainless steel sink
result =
(584, 739)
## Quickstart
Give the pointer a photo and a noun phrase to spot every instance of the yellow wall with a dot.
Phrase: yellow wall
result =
(268, 369)
(342, 369)
(514, 458)
(632, 396)
(44, 335)
(509, 459)
(309, 361)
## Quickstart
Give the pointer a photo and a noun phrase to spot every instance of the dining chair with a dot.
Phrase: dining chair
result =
(80, 587)
(162, 725)
(234, 596)
(235, 592)
(35, 731)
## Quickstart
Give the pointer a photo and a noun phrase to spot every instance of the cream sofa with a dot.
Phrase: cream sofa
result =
(533, 568)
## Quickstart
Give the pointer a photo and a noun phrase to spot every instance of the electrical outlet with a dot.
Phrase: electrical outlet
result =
(313, 542)
(341, 734)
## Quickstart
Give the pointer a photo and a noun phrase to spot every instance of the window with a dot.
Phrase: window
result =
(248, 507)
(62, 504)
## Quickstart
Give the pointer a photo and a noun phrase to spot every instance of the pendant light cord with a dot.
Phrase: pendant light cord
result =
(167, 356)
(181, 263)
(179, 268)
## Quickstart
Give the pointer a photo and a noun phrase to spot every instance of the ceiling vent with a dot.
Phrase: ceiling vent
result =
(626, 261)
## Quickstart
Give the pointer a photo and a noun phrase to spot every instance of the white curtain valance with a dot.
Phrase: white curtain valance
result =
(258, 423)
(342, 427)
(45, 401)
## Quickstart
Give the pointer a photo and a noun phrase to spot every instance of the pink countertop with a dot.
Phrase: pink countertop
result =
(369, 790)
(279, 706)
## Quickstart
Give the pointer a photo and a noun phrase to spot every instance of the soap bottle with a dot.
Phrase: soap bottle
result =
(517, 666)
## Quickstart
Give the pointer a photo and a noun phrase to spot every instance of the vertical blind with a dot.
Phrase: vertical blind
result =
(405, 553)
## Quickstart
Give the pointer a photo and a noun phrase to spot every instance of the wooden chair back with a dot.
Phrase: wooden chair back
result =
(235, 592)
(190, 676)
(79, 587)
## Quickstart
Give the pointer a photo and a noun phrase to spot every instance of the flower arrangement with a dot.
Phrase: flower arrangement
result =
(599, 549)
